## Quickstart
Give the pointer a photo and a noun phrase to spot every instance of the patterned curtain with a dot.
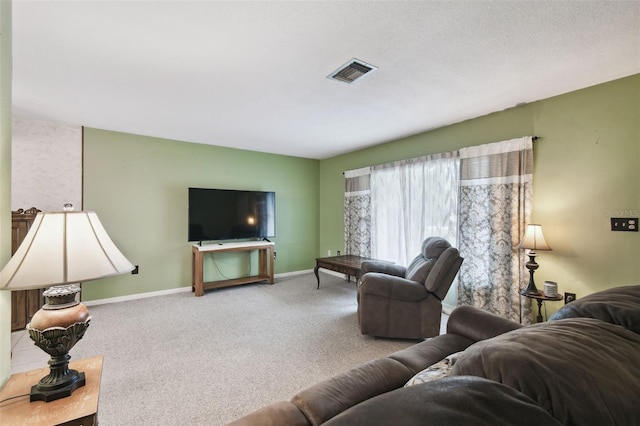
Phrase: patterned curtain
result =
(495, 204)
(357, 212)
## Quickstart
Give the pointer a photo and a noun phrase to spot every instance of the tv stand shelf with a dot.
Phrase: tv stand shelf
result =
(265, 253)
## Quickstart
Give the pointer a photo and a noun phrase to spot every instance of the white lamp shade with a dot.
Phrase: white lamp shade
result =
(533, 238)
(61, 248)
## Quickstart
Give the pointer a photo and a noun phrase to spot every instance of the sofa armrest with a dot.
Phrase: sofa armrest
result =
(477, 324)
(466, 326)
(383, 268)
(618, 305)
(426, 353)
(329, 398)
(391, 287)
(276, 414)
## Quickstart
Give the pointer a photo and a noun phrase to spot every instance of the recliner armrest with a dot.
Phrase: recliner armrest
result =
(383, 268)
(391, 287)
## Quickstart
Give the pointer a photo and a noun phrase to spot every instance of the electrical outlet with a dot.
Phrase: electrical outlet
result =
(569, 297)
(328, 252)
(338, 252)
(624, 224)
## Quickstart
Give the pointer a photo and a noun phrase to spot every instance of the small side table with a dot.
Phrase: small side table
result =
(81, 408)
(540, 298)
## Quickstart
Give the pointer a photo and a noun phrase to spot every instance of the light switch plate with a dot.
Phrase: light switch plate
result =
(624, 224)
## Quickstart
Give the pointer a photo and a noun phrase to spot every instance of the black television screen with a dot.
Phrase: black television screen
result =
(225, 214)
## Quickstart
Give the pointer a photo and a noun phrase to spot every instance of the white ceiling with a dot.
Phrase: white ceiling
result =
(252, 75)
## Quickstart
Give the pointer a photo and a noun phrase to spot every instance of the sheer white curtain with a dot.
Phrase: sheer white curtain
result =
(411, 200)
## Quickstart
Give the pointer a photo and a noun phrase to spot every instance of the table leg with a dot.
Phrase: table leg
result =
(315, 271)
(262, 262)
(193, 271)
(272, 265)
(539, 317)
(198, 272)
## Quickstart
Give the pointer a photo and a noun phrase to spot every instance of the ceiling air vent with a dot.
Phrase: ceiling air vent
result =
(351, 71)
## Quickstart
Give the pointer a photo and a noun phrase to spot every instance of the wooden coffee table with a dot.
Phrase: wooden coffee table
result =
(347, 264)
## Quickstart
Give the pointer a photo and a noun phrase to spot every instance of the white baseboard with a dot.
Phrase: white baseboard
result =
(177, 290)
(307, 271)
(290, 274)
(334, 273)
(136, 296)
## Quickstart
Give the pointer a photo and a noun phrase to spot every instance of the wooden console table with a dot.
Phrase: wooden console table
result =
(81, 408)
(265, 253)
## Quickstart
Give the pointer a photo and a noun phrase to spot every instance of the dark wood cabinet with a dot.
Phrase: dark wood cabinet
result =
(24, 303)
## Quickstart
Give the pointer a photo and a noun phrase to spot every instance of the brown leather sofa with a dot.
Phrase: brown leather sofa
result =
(322, 401)
(580, 368)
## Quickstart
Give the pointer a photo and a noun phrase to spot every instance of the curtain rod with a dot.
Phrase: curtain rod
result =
(533, 138)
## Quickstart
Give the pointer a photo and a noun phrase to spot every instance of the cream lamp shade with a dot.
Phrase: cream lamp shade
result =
(61, 248)
(534, 239)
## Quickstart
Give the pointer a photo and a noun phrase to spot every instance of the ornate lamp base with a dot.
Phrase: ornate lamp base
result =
(75, 381)
(531, 265)
(55, 329)
(61, 381)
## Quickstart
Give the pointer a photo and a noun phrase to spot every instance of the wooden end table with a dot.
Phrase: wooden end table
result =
(79, 409)
(540, 298)
(348, 264)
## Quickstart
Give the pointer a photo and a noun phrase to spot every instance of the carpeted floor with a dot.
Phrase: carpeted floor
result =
(186, 360)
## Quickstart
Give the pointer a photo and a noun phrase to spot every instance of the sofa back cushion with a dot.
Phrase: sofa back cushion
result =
(619, 305)
(452, 401)
(581, 370)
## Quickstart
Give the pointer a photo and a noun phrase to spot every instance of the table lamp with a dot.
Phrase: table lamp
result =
(533, 240)
(61, 250)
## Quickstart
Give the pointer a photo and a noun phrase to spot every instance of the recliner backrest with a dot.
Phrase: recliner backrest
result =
(421, 265)
(443, 272)
(435, 266)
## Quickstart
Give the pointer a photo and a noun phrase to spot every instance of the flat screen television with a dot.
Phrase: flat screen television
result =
(227, 214)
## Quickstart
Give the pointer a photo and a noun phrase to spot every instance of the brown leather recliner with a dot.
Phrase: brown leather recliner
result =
(405, 302)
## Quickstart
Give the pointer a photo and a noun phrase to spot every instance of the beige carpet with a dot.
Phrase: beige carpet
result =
(186, 360)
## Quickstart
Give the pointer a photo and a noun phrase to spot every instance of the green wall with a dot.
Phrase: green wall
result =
(138, 186)
(586, 170)
(587, 166)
